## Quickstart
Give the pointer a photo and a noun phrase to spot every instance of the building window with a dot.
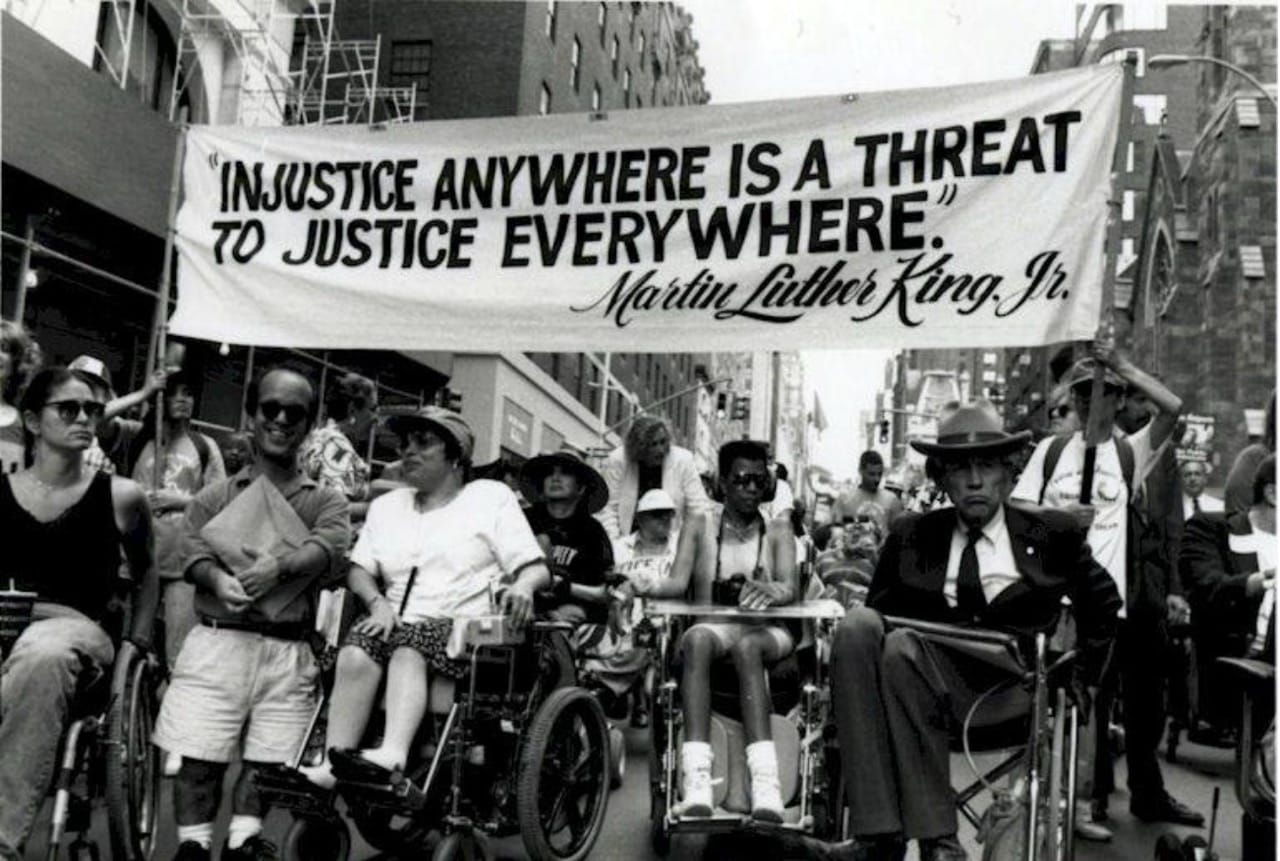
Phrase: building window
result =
(1151, 107)
(613, 55)
(551, 20)
(147, 65)
(595, 97)
(1131, 155)
(626, 87)
(411, 66)
(602, 21)
(544, 100)
(575, 64)
(1128, 206)
(640, 46)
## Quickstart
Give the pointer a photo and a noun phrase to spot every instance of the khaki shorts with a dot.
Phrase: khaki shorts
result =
(233, 685)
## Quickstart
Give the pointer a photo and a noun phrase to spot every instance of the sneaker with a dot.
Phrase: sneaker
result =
(1165, 809)
(695, 779)
(766, 793)
(190, 850)
(1087, 829)
(256, 848)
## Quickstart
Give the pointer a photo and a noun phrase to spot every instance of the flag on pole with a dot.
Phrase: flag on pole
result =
(818, 417)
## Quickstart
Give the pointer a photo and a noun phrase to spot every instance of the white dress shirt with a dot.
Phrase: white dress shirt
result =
(996, 567)
(1207, 504)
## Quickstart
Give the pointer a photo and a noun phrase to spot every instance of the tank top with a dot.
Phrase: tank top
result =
(73, 560)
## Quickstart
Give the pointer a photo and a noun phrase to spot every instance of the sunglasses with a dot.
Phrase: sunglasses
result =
(419, 438)
(273, 410)
(747, 479)
(69, 410)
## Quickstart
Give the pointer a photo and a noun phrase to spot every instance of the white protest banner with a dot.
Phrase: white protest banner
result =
(953, 217)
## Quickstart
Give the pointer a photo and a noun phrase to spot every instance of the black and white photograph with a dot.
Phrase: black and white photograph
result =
(550, 429)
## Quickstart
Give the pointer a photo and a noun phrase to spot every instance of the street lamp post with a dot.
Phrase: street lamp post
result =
(1164, 61)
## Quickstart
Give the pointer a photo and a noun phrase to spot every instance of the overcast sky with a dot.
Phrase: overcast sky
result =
(756, 50)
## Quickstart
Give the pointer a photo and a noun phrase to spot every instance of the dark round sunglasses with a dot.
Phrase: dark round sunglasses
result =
(273, 410)
(70, 409)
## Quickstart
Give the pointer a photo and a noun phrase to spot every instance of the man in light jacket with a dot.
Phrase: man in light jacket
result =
(647, 460)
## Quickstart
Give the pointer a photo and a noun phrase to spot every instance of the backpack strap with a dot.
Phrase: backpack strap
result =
(1051, 458)
(201, 442)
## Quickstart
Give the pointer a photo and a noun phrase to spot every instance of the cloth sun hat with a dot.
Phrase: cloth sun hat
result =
(655, 500)
(93, 371)
(1082, 372)
(446, 423)
(533, 473)
(972, 430)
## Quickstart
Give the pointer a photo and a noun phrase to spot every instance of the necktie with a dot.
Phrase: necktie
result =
(1195, 505)
(969, 598)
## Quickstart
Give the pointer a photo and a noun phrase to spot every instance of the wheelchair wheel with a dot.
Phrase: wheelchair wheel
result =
(310, 839)
(563, 787)
(393, 833)
(617, 757)
(132, 770)
(659, 836)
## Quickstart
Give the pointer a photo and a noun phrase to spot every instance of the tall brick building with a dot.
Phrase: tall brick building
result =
(1204, 312)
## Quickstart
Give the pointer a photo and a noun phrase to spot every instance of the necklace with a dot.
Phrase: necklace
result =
(45, 486)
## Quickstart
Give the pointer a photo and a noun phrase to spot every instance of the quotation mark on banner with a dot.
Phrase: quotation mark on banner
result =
(948, 195)
(215, 159)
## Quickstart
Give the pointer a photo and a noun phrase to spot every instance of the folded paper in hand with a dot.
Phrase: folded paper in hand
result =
(261, 519)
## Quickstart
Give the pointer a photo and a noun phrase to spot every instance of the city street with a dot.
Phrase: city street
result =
(625, 836)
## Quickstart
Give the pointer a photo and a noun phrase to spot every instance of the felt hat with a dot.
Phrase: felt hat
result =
(1082, 372)
(972, 430)
(535, 471)
(655, 500)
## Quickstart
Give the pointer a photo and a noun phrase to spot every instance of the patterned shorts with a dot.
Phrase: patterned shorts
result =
(428, 638)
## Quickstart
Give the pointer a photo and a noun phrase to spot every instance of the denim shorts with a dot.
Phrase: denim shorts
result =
(228, 685)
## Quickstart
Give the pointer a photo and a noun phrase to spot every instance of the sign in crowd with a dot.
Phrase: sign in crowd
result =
(959, 216)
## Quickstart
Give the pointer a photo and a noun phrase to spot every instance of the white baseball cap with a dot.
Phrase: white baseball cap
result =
(655, 500)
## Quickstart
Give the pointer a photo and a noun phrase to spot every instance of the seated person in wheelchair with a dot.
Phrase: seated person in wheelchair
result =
(981, 564)
(440, 546)
(565, 492)
(733, 557)
(64, 526)
(852, 561)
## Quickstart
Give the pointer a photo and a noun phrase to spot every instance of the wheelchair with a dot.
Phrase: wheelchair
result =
(1255, 784)
(800, 726)
(1033, 820)
(105, 753)
(514, 747)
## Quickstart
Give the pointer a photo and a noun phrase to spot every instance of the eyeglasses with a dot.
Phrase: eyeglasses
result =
(746, 479)
(69, 410)
(273, 410)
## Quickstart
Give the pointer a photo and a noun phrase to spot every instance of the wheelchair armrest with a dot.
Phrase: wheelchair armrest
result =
(1253, 675)
(953, 632)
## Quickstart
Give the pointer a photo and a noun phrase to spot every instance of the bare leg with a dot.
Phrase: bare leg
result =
(355, 687)
(750, 655)
(406, 704)
(699, 649)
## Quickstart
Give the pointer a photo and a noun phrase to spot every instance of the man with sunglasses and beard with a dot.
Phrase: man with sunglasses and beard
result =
(63, 525)
(245, 683)
(1128, 546)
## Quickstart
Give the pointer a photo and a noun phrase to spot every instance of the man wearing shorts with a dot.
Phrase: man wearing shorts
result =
(246, 681)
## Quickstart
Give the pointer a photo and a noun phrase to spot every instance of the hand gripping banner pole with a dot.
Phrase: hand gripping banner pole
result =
(1094, 431)
(160, 326)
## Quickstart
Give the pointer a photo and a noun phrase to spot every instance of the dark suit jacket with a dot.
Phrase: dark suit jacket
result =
(1052, 557)
(1215, 580)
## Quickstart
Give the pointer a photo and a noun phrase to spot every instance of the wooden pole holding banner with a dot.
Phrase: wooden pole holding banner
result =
(1094, 433)
(160, 327)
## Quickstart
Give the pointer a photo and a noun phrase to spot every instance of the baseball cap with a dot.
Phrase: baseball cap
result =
(655, 500)
(1082, 372)
(91, 370)
(438, 419)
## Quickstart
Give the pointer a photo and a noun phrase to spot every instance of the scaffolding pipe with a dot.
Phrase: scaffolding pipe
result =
(24, 267)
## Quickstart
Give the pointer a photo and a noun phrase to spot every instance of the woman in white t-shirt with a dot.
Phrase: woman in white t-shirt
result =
(442, 548)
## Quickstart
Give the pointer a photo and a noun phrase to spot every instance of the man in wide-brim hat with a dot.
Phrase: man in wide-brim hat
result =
(978, 563)
(565, 492)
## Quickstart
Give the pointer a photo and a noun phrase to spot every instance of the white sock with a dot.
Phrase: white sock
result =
(762, 755)
(202, 834)
(242, 828)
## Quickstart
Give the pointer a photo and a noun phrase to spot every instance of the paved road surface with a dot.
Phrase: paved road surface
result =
(625, 836)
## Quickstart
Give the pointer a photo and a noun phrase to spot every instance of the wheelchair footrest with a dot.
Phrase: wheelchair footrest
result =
(284, 787)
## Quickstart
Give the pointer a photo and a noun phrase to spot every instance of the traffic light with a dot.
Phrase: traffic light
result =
(741, 408)
(449, 399)
(884, 430)
(722, 404)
